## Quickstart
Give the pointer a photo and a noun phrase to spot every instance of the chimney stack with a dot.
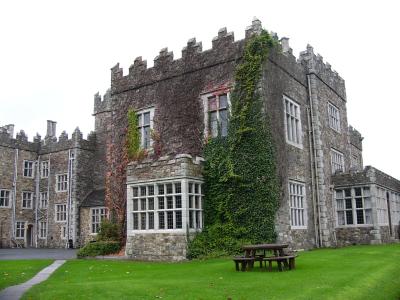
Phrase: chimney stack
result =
(51, 129)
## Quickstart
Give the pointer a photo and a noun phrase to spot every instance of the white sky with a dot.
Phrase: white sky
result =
(55, 55)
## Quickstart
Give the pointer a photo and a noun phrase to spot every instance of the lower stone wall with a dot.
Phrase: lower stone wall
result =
(157, 246)
(353, 235)
(85, 230)
(385, 234)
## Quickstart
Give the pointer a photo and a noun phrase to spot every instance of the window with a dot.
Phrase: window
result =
(381, 206)
(160, 206)
(98, 215)
(145, 125)
(64, 232)
(44, 169)
(353, 206)
(292, 122)
(61, 212)
(42, 230)
(195, 205)
(44, 198)
(217, 110)
(337, 161)
(27, 199)
(62, 182)
(20, 230)
(4, 198)
(334, 117)
(297, 201)
(28, 168)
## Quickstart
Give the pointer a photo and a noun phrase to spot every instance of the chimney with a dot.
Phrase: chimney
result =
(285, 44)
(51, 128)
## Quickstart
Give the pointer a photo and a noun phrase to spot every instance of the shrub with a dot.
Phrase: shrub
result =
(99, 248)
(109, 231)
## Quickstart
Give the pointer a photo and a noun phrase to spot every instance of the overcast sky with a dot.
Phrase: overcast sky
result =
(55, 55)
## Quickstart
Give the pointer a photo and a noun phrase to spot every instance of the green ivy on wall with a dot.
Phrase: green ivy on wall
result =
(241, 187)
(135, 152)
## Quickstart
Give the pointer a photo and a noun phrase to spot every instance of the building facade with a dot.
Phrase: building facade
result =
(327, 197)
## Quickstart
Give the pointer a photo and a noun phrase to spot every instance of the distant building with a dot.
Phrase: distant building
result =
(328, 198)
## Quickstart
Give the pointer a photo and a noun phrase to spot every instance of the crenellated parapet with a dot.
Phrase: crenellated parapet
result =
(355, 138)
(314, 63)
(102, 104)
(19, 142)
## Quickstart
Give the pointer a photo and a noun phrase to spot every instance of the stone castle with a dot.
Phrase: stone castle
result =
(53, 191)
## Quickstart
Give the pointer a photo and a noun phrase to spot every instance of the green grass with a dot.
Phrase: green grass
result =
(359, 272)
(14, 272)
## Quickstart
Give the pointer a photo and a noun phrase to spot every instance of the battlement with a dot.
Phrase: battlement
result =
(49, 144)
(224, 49)
(314, 63)
(355, 138)
(102, 104)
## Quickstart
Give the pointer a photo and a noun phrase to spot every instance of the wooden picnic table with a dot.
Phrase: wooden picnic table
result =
(251, 250)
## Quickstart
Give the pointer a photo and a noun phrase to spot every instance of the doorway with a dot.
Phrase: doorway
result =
(29, 236)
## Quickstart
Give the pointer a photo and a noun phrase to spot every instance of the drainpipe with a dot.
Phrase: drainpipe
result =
(314, 154)
(71, 156)
(14, 203)
(37, 181)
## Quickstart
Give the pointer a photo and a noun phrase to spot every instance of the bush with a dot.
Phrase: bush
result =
(99, 248)
(108, 231)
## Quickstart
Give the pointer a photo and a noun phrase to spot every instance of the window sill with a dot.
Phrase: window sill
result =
(26, 208)
(298, 227)
(354, 226)
(298, 146)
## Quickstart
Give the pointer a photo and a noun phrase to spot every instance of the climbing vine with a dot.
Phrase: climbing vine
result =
(241, 187)
(135, 152)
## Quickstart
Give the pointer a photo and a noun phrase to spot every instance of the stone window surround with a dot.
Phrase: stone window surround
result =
(44, 200)
(334, 117)
(335, 165)
(5, 197)
(60, 214)
(44, 169)
(296, 117)
(20, 229)
(204, 99)
(185, 205)
(26, 199)
(335, 210)
(28, 168)
(100, 215)
(61, 182)
(141, 126)
(42, 230)
(304, 202)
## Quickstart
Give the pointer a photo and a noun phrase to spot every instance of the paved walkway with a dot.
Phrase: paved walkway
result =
(15, 292)
(34, 253)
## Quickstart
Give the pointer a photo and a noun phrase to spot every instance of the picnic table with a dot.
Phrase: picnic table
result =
(250, 256)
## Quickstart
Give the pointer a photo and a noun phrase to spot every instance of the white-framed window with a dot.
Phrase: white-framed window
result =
(216, 113)
(297, 201)
(61, 182)
(44, 200)
(42, 229)
(160, 206)
(27, 199)
(195, 205)
(20, 230)
(292, 119)
(145, 125)
(44, 170)
(334, 117)
(396, 208)
(381, 206)
(353, 206)
(61, 212)
(63, 232)
(28, 168)
(98, 214)
(337, 161)
(4, 198)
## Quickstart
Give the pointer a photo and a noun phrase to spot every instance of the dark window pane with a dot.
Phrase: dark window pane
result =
(347, 193)
(223, 101)
(135, 221)
(161, 203)
(359, 203)
(360, 216)
(143, 221)
(178, 189)
(146, 137)
(170, 202)
(348, 204)
(197, 219)
(223, 118)
(143, 204)
(196, 188)
(190, 201)
(178, 202)
(142, 191)
(178, 218)
(146, 119)
(151, 204)
(349, 217)
(161, 221)
(358, 191)
(151, 220)
(191, 218)
(135, 191)
(170, 219)
(196, 202)
(169, 188)
(135, 204)
(190, 187)
(161, 189)
(150, 189)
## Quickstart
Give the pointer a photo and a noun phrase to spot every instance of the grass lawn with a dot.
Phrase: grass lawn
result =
(14, 272)
(359, 272)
